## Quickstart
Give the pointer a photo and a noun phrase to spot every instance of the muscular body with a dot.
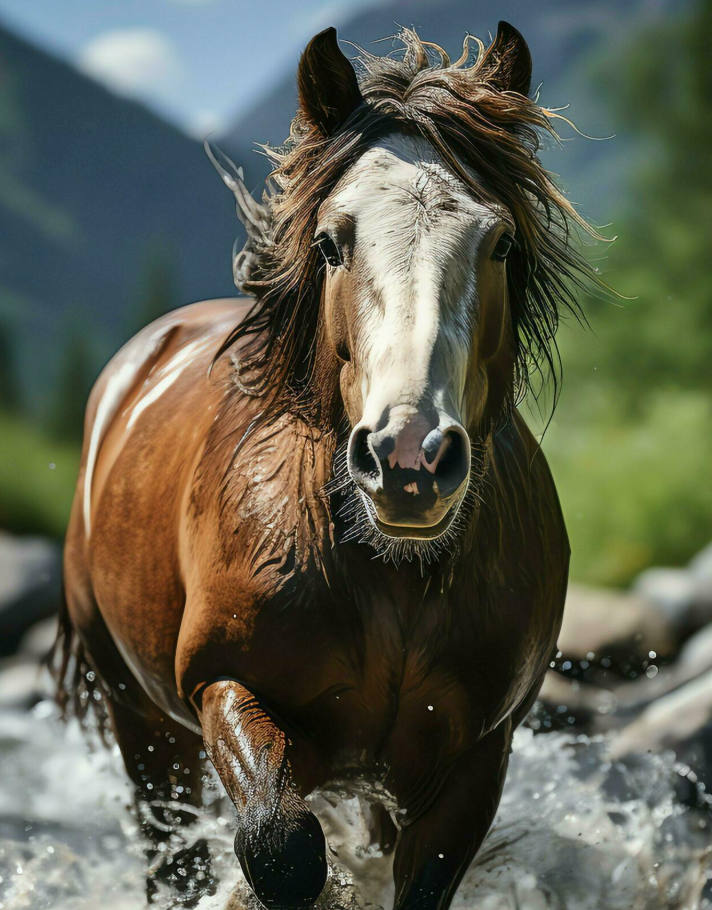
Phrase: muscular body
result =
(207, 582)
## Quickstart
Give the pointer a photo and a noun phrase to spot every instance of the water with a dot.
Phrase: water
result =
(574, 830)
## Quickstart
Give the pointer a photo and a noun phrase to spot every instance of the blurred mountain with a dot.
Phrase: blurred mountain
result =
(97, 197)
(569, 44)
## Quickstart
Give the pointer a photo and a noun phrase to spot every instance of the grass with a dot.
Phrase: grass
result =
(637, 492)
(37, 479)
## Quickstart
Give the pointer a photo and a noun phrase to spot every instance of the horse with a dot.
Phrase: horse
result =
(312, 536)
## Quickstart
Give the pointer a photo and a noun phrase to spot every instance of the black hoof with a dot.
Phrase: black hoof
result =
(290, 877)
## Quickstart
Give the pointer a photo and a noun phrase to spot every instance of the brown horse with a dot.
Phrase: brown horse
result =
(312, 535)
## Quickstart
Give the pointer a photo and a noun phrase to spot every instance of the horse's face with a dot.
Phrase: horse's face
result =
(415, 304)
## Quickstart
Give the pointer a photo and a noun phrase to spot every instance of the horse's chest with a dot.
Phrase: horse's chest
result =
(357, 688)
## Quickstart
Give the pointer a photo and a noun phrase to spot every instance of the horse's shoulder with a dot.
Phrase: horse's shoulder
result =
(154, 343)
(144, 369)
(257, 495)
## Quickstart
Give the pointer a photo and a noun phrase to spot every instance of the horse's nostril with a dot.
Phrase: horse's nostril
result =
(362, 463)
(454, 465)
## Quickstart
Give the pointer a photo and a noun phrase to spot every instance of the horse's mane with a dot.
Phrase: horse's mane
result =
(475, 127)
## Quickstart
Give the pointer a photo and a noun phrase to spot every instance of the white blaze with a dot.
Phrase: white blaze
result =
(418, 230)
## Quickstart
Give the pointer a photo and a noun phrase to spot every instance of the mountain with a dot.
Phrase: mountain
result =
(98, 196)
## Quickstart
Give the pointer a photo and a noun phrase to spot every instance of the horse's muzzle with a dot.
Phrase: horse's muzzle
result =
(414, 472)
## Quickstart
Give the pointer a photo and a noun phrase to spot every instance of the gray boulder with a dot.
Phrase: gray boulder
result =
(684, 596)
(30, 586)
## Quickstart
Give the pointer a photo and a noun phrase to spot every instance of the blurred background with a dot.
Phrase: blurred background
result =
(110, 215)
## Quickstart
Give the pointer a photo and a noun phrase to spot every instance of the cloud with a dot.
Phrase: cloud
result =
(202, 123)
(135, 61)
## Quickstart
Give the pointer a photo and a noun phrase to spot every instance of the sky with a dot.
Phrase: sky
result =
(199, 63)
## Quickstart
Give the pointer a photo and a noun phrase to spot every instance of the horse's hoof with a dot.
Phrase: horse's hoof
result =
(290, 877)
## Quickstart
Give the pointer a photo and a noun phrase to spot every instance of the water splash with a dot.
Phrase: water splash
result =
(574, 830)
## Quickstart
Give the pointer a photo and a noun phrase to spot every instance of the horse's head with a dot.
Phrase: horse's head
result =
(410, 266)
(414, 305)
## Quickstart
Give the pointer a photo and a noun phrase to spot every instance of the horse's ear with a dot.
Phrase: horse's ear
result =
(328, 88)
(507, 63)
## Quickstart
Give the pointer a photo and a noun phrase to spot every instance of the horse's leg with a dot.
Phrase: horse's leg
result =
(135, 721)
(162, 757)
(436, 847)
(279, 842)
(151, 743)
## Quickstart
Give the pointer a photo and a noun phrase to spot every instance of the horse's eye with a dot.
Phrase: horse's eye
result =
(502, 247)
(329, 250)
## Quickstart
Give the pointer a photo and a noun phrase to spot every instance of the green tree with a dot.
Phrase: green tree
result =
(661, 84)
(631, 441)
(77, 372)
(157, 293)
(9, 392)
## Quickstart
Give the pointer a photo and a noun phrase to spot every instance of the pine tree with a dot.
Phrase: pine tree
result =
(76, 374)
(9, 392)
(157, 286)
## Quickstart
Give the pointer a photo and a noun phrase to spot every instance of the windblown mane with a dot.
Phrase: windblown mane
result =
(458, 108)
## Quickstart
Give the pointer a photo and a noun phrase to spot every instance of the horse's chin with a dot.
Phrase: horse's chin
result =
(411, 531)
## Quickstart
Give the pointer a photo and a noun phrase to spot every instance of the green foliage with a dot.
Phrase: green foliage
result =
(157, 294)
(77, 374)
(631, 444)
(37, 478)
(634, 492)
(9, 393)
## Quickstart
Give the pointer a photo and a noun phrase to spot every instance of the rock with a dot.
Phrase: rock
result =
(30, 586)
(681, 721)
(701, 571)
(22, 683)
(569, 703)
(694, 659)
(683, 595)
(670, 590)
(608, 622)
(38, 639)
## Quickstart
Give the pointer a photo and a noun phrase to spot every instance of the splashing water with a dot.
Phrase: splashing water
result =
(574, 830)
